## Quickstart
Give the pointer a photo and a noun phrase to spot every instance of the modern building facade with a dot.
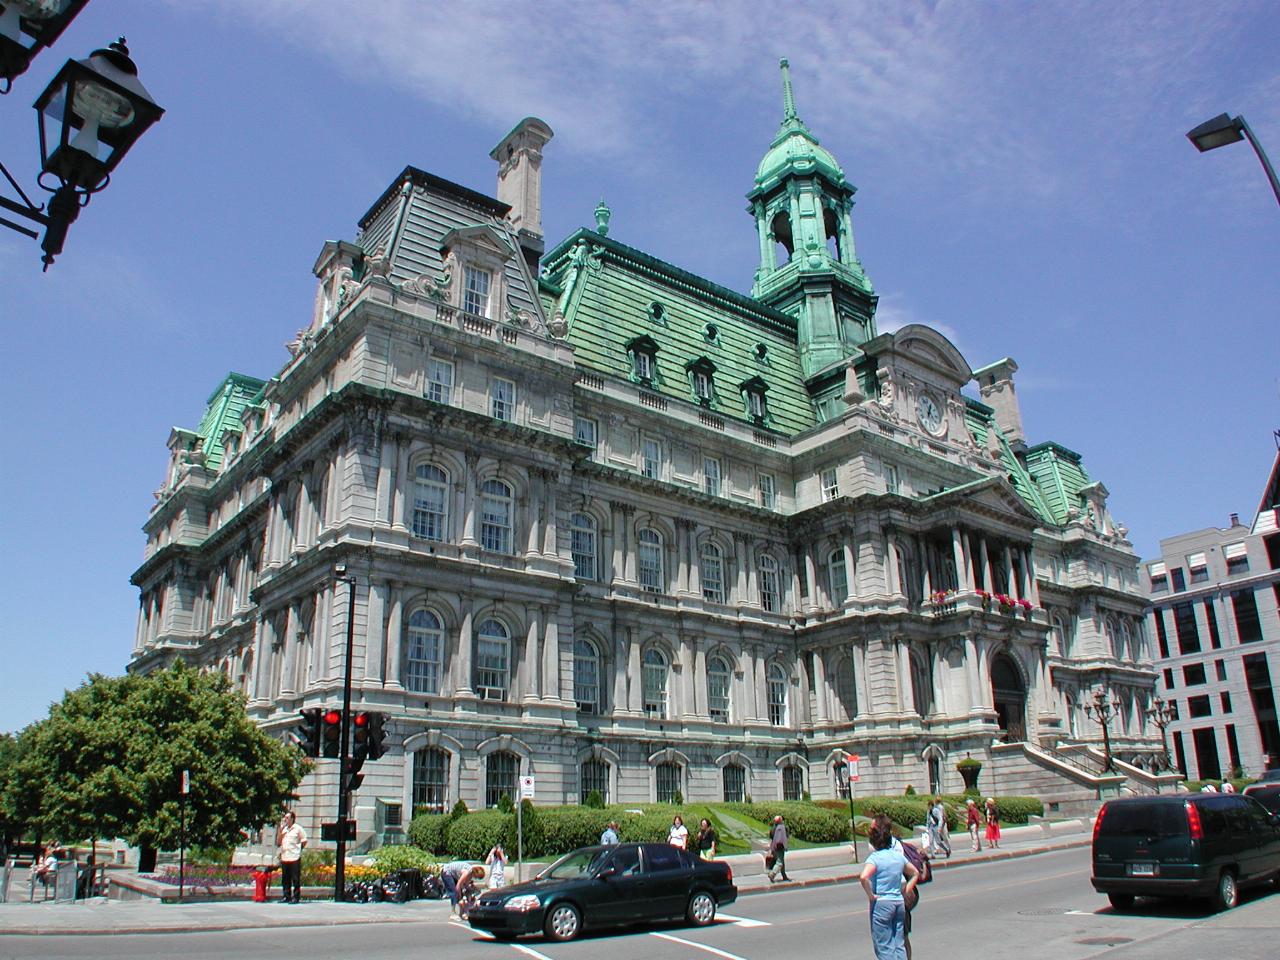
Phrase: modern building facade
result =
(620, 528)
(1214, 596)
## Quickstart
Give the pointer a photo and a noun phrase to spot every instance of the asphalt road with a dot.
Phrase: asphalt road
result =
(1038, 907)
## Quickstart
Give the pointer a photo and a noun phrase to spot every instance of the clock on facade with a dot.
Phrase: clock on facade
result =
(929, 413)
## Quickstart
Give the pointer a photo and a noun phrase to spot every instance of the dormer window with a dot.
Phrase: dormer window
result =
(702, 378)
(755, 404)
(702, 385)
(644, 365)
(475, 295)
(753, 391)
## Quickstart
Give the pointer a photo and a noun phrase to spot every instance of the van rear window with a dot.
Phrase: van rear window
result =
(1144, 820)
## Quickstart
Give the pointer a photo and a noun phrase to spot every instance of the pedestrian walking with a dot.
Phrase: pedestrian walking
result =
(678, 835)
(888, 878)
(291, 838)
(778, 849)
(496, 861)
(706, 840)
(610, 835)
(973, 820)
(936, 824)
(1228, 786)
(993, 823)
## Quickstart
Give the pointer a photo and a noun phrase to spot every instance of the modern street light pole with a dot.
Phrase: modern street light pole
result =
(1103, 710)
(344, 798)
(1224, 129)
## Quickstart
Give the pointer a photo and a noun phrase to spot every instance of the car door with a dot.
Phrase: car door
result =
(668, 881)
(1266, 837)
(619, 891)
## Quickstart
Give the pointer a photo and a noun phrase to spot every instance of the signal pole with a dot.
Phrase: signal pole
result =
(344, 800)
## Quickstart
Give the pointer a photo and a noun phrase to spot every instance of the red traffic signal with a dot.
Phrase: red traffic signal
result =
(332, 732)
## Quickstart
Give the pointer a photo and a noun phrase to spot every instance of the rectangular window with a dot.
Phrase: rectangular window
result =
(1237, 557)
(1211, 618)
(1161, 636)
(1226, 702)
(1179, 581)
(768, 492)
(830, 485)
(1168, 679)
(582, 544)
(1184, 620)
(1273, 546)
(735, 783)
(1220, 666)
(1198, 567)
(1193, 674)
(1199, 707)
(711, 476)
(584, 433)
(651, 451)
(491, 668)
(595, 779)
(642, 365)
(755, 404)
(475, 296)
(1245, 606)
(430, 781)
(712, 576)
(502, 399)
(440, 380)
(667, 781)
(890, 478)
(701, 385)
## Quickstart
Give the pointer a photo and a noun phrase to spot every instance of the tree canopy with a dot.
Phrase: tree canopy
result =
(108, 762)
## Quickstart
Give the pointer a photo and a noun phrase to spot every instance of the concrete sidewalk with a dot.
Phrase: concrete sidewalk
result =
(811, 867)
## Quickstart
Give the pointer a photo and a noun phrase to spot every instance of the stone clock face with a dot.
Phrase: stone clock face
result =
(929, 413)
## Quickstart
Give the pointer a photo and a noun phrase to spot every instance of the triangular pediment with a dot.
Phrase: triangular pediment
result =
(481, 236)
(989, 495)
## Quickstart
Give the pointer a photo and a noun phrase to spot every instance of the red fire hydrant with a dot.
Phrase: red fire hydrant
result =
(261, 877)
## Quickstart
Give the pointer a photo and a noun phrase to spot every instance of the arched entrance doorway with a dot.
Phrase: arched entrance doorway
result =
(1010, 696)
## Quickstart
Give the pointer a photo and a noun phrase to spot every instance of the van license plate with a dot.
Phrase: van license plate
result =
(1142, 869)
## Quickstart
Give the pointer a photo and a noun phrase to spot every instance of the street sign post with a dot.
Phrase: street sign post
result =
(526, 793)
(183, 790)
(851, 768)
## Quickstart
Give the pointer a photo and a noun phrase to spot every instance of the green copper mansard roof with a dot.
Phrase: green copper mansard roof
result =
(222, 412)
(794, 149)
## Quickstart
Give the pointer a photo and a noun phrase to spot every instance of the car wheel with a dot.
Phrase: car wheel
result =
(1121, 901)
(702, 909)
(1226, 895)
(563, 922)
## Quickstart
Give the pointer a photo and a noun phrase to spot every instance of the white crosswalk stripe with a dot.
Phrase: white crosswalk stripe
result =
(699, 946)
(743, 921)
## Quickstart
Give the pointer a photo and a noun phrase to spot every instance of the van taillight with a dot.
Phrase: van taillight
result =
(730, 869)
(1097, 823)
(1193, 822)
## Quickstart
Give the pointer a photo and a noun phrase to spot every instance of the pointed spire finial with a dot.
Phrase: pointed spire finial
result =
(603, 213)
(788, 98)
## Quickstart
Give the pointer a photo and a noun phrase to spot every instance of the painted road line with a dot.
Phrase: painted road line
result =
(743, 921)
(695, 944)
(532, 952)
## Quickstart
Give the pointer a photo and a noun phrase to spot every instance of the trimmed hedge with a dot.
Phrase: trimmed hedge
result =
(401, 857)
(910, 812)
(805, 821)
(427, 831)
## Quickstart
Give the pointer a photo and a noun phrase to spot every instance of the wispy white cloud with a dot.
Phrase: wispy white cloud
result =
(893, 313)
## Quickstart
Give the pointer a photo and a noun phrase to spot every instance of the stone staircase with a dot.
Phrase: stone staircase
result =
(1071, 779)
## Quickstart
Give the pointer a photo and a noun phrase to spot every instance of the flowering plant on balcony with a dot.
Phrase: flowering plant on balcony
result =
(1006, 602)
(1025, 605)
(942, 596)
(984, 597)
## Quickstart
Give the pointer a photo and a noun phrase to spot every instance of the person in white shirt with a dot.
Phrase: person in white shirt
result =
(679, 834)
(291, 839)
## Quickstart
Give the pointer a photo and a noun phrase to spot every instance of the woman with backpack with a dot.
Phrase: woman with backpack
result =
(888, 878)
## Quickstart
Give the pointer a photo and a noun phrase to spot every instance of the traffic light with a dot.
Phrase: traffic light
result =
(332, 732)
(307, 734)
(377, 735)
(359, 751)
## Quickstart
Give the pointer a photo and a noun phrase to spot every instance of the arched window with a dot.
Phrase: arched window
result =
(649, 547)
(735, 783)
(777, 683)
(501, 775)
(586, 676)
(712, 569)
(847, 688)
(594, 778)
(921, 686)
(770, 595)
(837, 577)
(792, 783)
(667, 780)
(1114, 639)
(654, 670)
(1127, 651)
(1072, 727)
(718, 679)
(495, 516)
(430, 500)
(1060, 641)
(430, 781)
(423, 652)
(582, 543)
(493, 658)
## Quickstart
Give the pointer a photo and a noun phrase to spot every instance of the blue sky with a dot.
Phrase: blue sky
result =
(1024, 182)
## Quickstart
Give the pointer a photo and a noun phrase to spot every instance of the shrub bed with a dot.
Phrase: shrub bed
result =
(909, 812)
(805, 821)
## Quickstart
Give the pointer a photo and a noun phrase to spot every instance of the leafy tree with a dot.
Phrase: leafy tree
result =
(10, 825)
(108, 761)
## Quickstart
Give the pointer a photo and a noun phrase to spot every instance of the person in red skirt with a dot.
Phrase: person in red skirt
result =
(993, 823)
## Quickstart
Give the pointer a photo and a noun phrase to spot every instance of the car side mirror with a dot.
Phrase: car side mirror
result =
(606, 873)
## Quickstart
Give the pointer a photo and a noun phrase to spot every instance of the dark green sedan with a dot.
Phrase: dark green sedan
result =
(608, 886)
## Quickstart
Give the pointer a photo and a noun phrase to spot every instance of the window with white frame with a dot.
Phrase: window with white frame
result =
(777, 684)
(755, 404)
(830, 484)
(1236, 555)
(890, 478)
(584, 433)
(582, 544)
(837, 577)
(594, 778)
(495, 516)
(1159, 576)
(440, 380)
(654, 682)
(768, 491)
(1198, 567)
(475, 293)
(711, 476)
(719, 677)
(502, 399)
(735, 783)
(711, 569)
(770, 594)
(424, 652)
(703, 387)
(651, 451)
(642, 365)
(430, 501)
(493, 660)
(792, 783)
(649, 554)
(667, 782)
(586, 676)
(847, 688)
(430, 781)
(502, 776)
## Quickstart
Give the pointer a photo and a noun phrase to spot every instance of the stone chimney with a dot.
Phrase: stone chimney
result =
(995, 385)
(1235, 520)
(519, 157)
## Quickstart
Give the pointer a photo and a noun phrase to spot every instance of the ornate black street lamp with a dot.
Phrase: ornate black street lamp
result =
(1162, 714)
(1224, 129)
(26, 28)
(1104, 709)
(90, 115)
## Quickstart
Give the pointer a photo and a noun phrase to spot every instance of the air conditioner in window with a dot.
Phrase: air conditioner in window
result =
(492, 693)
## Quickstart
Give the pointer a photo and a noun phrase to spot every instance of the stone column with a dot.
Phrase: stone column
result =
(812, 574)
(1034, 591)
(289, 671)
(394, 676)
(906, 694)
(988, 582)
(530, 677)
(551, 513)
(462, 678)
(761, 681)
(964, 577)
(386, 471)
(329, 508)
(617, 570)
(403, 484)
(861, 691)
(469, 506)
(263, 639)
(740, 551)
(552, 682)
(749, 708)
(375, 651)
(635, 694)
(850, 569)
(891, 551)
(620, 651)
(1006, 557)
(684, 564)
(820, 692)
(688, 679)
(534, 510)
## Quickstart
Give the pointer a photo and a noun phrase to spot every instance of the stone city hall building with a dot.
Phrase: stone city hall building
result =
(623, 529)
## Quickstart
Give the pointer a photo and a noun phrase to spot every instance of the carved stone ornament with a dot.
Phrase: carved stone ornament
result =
(558, 326)
(885, 378)
(301, 342)
(378, 264)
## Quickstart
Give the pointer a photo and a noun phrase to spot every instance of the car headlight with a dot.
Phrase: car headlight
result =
(523, 903)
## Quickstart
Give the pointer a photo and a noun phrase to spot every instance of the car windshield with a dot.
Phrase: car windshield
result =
(577, 864)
